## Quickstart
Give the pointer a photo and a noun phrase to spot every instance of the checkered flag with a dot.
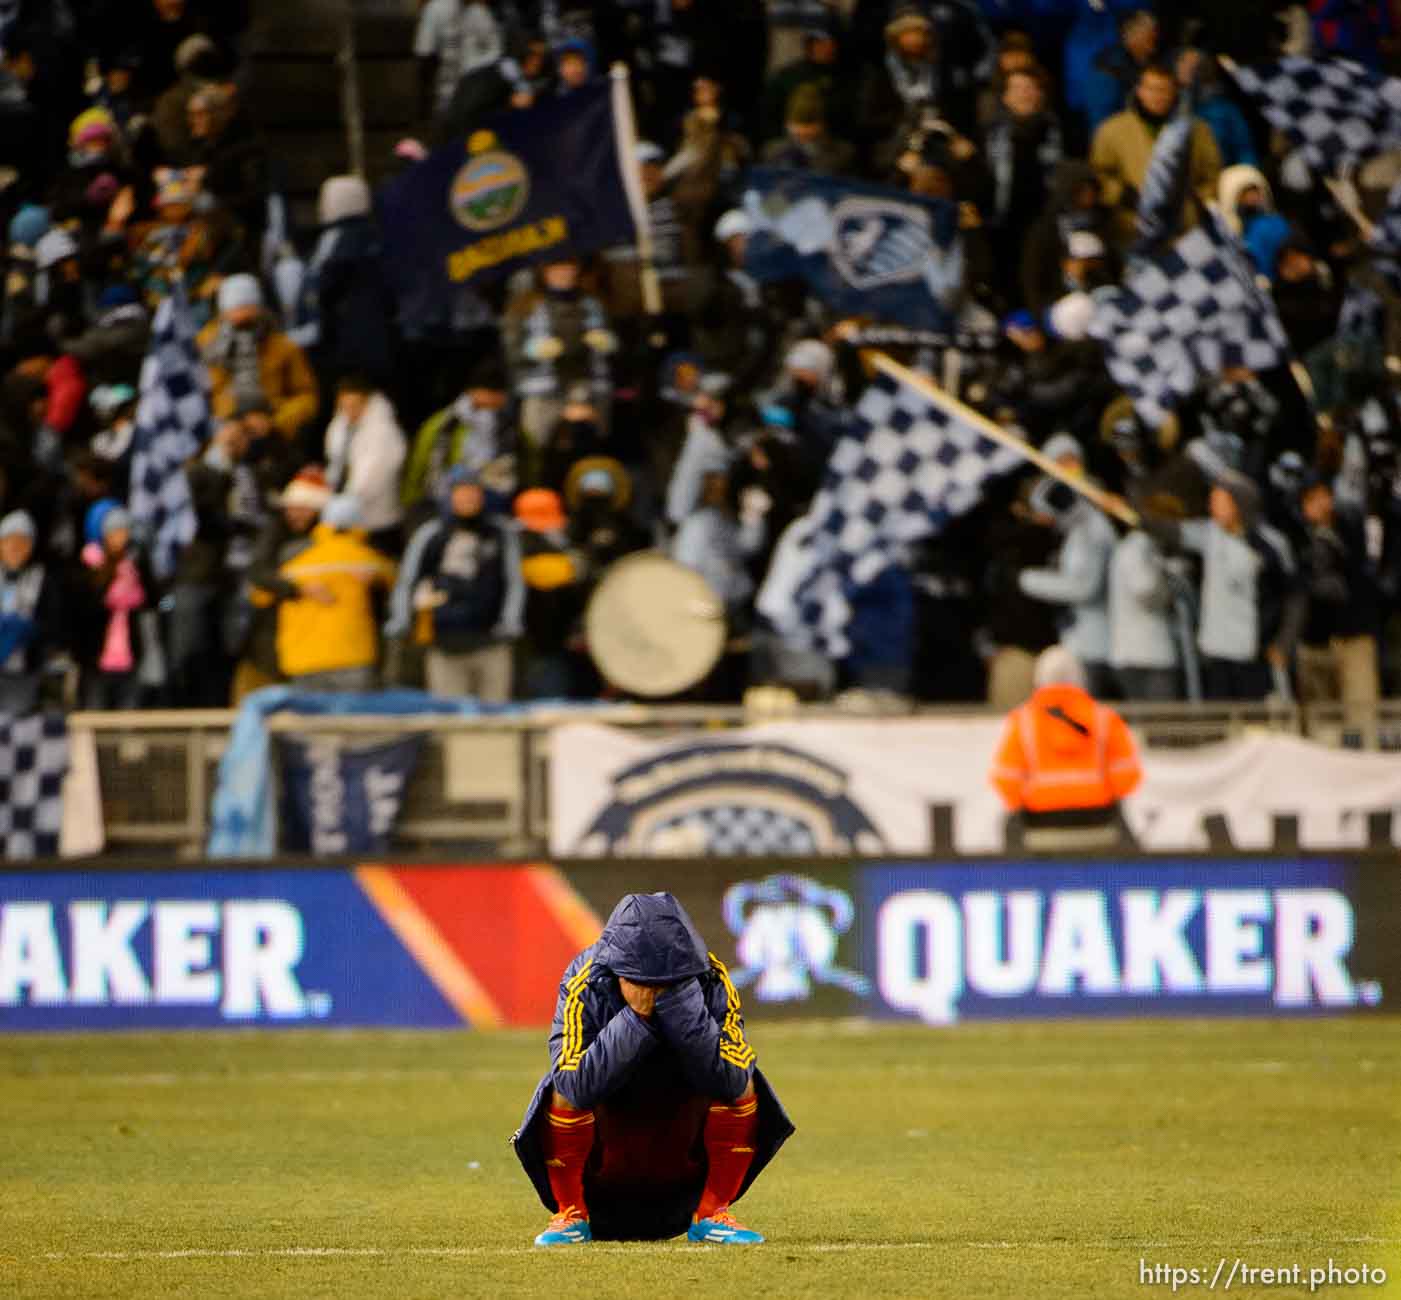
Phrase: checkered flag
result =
(905, 469)
(33, 762)
(1334, 110)
(1185, 315)
(172, 425)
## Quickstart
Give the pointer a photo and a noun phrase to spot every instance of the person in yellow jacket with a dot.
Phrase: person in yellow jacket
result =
(328, 637)
(253, 365)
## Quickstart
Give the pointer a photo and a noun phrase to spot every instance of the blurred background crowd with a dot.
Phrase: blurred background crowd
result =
(395, 493)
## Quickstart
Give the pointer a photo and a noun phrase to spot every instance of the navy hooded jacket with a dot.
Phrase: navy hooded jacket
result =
(603, 1053)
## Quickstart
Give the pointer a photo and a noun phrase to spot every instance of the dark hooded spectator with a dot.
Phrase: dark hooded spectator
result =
(516, 81)
(1116, 71)
(807, 144)
(285, 535)
(462, 591)
(32, 616)
(911, 80)
(1338, 646)
(231, 156)
(197, 63)
(1075, 204)
(345, 318)
(1305, 294)
(1123, 146)
(1022, 147)
(820, 66)
(1018, 627)
(598, 493)
(365, 451)
(454, 39)
(255, 367)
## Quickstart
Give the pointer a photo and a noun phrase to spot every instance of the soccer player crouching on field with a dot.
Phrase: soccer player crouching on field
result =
(653, 1119)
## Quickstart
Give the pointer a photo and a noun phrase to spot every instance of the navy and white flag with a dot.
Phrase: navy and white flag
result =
(904, 470)
(172, 425)
(33, 763)
(1334, 110)
(535, 183)
(864, 250)
(1186, 315)
(1164, 192)
(337, 799)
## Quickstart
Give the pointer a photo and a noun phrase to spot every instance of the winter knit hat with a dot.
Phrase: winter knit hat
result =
(810, 354)
(29, 225)
(734, 222)
(540, 510)
(55, 247)
(93, 126)
(17, 524)
(308, 489)
(239, 291)
(342, 513)
(343, 197)
(1063, 444)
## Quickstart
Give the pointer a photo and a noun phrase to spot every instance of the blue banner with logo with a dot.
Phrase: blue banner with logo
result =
(530, 185)
(997, 941)
(200, 949)
(341, 800)
(864, 250)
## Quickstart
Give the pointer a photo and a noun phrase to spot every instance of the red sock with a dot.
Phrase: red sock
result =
(567, 1139)
(729, 1146)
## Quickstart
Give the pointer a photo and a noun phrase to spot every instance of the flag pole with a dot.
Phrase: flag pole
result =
(1102, 500)
(625, 133)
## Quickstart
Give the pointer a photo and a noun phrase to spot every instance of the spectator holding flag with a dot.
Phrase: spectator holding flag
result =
(1123, 148)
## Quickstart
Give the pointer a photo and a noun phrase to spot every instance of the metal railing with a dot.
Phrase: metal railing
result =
(483, 783)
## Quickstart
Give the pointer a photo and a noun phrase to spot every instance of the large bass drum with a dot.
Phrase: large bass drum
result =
(655, 628)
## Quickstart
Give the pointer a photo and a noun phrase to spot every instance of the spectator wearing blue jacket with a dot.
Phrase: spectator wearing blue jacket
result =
(1245, 200)
(462, 589)
(1105, 85)
(653, 1118)
(1217, 109)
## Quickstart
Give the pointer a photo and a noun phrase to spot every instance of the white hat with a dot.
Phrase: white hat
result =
(18, 523)
(1063, 444)
(734, 222)
(647, 152)
(1058, 667)
(55, 247)
(810, 354)
(1069, 317)
(343, 197)
(1083, 245)
(239, 291)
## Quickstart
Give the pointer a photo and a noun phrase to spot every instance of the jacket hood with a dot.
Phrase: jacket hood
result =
(649, 939)
(1233, 183)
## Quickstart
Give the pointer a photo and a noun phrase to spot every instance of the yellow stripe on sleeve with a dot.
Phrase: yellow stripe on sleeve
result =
(733, 1049)
(571, 1051)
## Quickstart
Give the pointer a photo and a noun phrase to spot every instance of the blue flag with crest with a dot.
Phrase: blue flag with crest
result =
(864, 250)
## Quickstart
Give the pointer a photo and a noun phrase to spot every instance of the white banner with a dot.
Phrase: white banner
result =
(812, 788)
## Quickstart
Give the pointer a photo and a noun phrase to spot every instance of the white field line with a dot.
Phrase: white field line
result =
(946, 1069)
(645, 1248)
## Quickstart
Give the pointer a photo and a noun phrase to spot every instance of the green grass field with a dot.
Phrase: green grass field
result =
(1038, 1161)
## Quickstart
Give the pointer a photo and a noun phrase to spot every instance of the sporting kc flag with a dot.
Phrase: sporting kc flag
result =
(532, 184)
(864, 250)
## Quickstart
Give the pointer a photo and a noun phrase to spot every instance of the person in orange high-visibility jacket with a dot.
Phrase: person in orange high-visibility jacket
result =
(1062, 753)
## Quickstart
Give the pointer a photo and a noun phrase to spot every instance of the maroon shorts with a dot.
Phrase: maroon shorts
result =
(656, 1142)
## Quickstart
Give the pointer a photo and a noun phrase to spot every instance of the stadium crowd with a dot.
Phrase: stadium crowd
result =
(392, 493)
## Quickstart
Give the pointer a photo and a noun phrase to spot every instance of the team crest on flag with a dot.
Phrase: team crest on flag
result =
(492, 188)
(878, 242)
